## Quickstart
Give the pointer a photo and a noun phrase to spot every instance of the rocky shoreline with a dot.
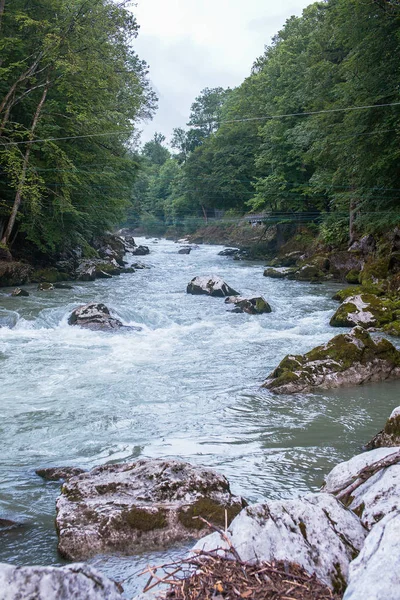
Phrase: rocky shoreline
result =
(342, 536)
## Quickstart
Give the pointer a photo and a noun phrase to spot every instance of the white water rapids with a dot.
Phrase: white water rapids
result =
(186, 386)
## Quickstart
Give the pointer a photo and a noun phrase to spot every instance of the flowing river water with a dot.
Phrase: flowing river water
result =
(186, 386)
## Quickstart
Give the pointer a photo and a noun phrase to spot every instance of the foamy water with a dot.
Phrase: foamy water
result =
(186, 386)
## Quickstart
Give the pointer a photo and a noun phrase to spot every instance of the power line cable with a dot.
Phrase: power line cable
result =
(242, 120)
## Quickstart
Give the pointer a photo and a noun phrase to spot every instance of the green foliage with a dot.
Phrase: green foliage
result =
(76, 183)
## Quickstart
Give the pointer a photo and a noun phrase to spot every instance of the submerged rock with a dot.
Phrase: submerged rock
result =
(129, 507)
(57, 473)
(366, 310)
(309, 273)
(278, 273)
(184, 250)
(77, 581)
(314, 531)
(228, 252)
(45, 287)
(390, 434)
(210, 286)
(348, 359)
(140, 251)
(374, 574)
(94, 316)
(255, 305)
(18, 292)
(7, 524)
(377, 489)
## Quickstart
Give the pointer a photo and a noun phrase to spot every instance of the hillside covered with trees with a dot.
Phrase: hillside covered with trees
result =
(72, 90)
(312, 135)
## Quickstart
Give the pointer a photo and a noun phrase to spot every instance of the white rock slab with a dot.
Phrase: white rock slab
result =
(376, 497)
(74, 582)
(375, 573)
(315, 531)
(211, 285)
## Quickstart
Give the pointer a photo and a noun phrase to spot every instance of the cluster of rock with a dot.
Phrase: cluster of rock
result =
(106, 260)
(348, 359)
(347, 535)
(357, 265)
(216, 287)
(367, 310)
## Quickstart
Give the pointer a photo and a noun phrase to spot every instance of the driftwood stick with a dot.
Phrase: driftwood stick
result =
(344, 492)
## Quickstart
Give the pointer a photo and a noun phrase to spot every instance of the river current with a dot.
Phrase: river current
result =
(186, 386)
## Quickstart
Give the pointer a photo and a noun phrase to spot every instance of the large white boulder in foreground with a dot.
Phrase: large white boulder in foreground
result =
(375, 496)
(147, 504)
(210, 286)
(315, 531)
(73, 582)
(375, 573)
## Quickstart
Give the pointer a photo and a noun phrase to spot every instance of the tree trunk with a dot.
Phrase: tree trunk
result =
(204, 213)
(352, 220)
(18, 196)
(2, 4)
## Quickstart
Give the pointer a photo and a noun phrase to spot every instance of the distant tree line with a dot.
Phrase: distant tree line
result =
(312, 134)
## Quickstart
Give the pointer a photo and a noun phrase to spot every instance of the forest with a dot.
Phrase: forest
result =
(72, 91)
(310, 136)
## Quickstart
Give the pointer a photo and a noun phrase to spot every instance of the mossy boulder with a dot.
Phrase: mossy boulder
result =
(347, 359)
(389, 435)
(366, 310)
(255, 305)
(279, 273)
(49, 275)
(353, 276)
(392, 328)
(146, 504)
(374, 271)
(309, 272)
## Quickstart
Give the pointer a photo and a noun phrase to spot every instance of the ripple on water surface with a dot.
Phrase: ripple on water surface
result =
(186, 386)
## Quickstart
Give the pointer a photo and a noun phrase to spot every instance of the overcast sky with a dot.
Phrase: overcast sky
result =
(193, 44)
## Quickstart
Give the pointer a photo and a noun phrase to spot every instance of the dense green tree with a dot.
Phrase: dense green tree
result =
(71, 92)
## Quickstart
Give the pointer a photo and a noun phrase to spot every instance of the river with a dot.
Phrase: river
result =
(186, 386)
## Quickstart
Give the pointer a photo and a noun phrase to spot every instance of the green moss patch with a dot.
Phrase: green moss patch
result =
(145, 520)
(208, 509)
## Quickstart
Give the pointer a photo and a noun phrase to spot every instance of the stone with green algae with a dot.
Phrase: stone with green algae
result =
(366, 310)
(135, 506)
(347, 359)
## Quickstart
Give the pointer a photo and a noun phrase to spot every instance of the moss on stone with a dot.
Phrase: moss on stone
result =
(359, 510)
(145, 520)
(303, 530)
(338, 580)
(381, 310)
(50, 275)
(208, 509)
(393, 328)
(283, 379)
(73, 494)
(374, 271)
(392, 426)
(353, 276)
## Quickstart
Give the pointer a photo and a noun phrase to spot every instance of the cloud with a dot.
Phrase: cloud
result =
(193, 44)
